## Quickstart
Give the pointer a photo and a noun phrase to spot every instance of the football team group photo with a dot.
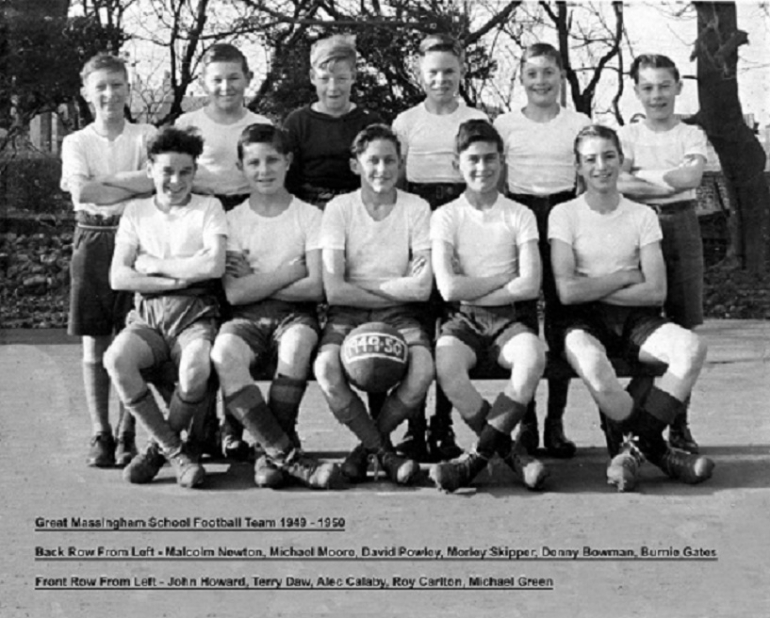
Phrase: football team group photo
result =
(227, 263)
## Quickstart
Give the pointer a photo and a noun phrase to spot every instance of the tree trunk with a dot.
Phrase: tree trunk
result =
(721, 116)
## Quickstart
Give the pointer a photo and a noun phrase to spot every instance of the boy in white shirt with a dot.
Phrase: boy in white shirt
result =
(170, 251)
(103, 167)
(426, 132)
(376, 268)
(663, 166)
(273, 282)
(486, 261)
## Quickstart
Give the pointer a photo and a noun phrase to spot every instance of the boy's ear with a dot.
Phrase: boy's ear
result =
(289, 159)
(239, 164)
(456, 162)
(354, 167)
(679, 86)
(149, 168)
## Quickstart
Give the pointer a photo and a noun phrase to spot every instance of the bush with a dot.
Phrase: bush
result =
(29, 182)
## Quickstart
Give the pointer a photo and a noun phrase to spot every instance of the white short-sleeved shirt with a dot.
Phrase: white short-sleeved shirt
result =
(540, 155)
(428, 141)
(88, 155)
(376, 251)
(604, 243)
(217, 166)
(180, 233)
(663, 150)
(486, 242)
(272, 242)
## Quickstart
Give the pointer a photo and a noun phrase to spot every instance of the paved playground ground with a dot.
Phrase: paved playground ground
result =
(80, 542)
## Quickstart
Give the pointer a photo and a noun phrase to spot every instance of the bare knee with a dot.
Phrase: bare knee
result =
(194, 371)
(329, 375)
(420, 375)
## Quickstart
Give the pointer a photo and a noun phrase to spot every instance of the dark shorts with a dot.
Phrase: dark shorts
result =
(169, 323)
(261, 325)
(486, 330)
(436, 193)
(683, 253)
(621, 330)
(96, 310)
(542, 205)
(405, 319)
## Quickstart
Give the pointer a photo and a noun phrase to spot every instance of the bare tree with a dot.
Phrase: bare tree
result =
(740, 154)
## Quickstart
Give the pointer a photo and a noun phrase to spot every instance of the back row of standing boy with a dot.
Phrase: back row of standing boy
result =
(104, 168)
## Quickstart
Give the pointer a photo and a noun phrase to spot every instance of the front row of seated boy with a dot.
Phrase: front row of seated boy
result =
(372, 254)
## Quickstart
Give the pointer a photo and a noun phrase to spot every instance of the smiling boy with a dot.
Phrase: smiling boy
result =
(486, 260)
(170, 250)
(663, 166)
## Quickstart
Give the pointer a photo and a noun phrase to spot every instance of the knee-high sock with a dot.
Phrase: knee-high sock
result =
(146, 410)
(506, 413)
(478, 421)
(392, 413)
(248, 406)
(284, 399)
(96, 382)
(355, 417)
(126, 422)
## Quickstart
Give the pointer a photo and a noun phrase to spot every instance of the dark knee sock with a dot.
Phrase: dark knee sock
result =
(146, 410)
(248, 406)
(355, 417)
(393, 412)
(284, 399)
(442, 416)
(490, 441)
(126, 422)
(557, 398)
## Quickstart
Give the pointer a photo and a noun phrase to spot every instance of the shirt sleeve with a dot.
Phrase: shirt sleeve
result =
(127, 233)
(74, 163)
(559, 227)
(333, 225)
(626, 142)
(233, 241)
(400, 129)
(215, 222)
(695, 142)
(313, 221)
(650, 230)
(527, 228)
(442, 225)
(420, 228)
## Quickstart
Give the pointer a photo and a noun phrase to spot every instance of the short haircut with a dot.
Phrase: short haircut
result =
(441, 42)
(263, 133)
(600, 131)
(542, 49)
(477, 130)
(371, 134)
(325, 53)
(652, 61)
(173, 139)
(224, 52)
(104, 62)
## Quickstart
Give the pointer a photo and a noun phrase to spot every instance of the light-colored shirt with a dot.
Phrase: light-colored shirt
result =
(663, 151)
(376, 251)
(540, 156)
(604, 243)
(428, 142)
(272, 242)
(179, 233)
(486, 242)
(87, 155)
(217, 166)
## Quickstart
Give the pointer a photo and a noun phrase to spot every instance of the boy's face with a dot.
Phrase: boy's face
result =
(107, 91)
(657, 90)
(541, 78)
(333, 85)
(441, 72)
(225, 84)
(378, 165)
(598, 163)
(172, 174)
(264, 167)
(480, 165)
